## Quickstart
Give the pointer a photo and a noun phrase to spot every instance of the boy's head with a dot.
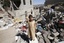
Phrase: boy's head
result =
(30, 17)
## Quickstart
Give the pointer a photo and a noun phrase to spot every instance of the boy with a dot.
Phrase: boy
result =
(32, 27)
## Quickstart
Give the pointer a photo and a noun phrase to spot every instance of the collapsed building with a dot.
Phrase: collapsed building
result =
(11, 11)
(20, 7)
(50, 2)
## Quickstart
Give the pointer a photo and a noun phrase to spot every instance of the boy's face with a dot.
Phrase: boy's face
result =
(31, 18)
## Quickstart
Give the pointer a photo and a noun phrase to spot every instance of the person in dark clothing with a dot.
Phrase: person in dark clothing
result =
(23, 36)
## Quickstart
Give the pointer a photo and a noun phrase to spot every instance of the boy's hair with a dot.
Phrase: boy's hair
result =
(30, 16)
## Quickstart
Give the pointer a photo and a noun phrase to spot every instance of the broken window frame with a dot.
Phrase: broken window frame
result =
(30, 2)
(24, 2)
